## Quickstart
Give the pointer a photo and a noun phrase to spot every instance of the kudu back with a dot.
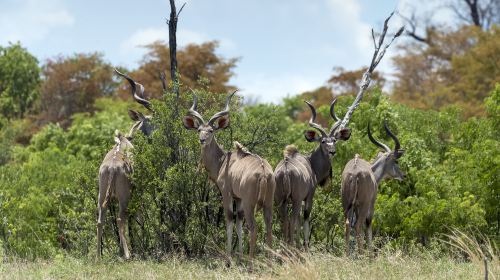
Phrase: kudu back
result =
(297, 175)
(115, 169)
(242, 177)
(360, 180)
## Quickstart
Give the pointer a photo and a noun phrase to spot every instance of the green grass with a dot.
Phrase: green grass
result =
(310, 266)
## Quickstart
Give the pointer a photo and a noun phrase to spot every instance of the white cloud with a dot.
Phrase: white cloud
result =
(32, 20)
(346, 16)
(272, 89)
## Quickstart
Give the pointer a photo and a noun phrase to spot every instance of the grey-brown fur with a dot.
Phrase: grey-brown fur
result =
(360, 181)
(115, 170)
(297, 176)
(114, 183)
(242, 177)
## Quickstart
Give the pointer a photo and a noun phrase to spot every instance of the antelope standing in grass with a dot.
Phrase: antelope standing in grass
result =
(115, 169)
(242, 177)
(297, 175)
(360, 181)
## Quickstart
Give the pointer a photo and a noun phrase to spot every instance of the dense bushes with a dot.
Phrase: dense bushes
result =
(48, 189)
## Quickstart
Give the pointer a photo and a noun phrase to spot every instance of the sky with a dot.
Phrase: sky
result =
(285, 46)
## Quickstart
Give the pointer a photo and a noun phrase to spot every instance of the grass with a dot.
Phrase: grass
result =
(467, 263)
(311, 266)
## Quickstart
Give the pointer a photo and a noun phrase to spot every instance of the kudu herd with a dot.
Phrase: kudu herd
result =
(247, 182)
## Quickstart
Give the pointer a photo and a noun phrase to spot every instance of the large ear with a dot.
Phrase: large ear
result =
(399, 153)
(343, 134)
(222, 122)
(136, 116)
(190, 123)
(311, 136)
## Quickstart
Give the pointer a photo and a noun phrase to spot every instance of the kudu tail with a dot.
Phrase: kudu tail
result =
(262, 191)
(351, 214)
(111, 179)
(287, 187)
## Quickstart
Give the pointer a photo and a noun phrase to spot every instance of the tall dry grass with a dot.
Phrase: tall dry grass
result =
(281, 263)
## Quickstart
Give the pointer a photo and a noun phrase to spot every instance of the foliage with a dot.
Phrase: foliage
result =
(19, 81)
(196, 62)
(48, 189)
(72, 84)
(458, 67)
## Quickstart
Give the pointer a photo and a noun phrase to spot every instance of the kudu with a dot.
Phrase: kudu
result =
(297, 175)
(115, 169)
(242, 177)
(360, 181)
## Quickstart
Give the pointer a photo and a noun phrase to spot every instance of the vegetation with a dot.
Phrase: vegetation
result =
(57, 125)
(19, 81)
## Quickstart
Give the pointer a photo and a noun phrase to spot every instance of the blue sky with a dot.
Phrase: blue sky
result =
(285, 46)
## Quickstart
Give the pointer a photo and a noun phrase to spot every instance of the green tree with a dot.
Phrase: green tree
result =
(19, 81)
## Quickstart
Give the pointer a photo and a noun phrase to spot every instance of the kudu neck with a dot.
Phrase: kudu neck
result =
(212, 156)
(320, 164)
(378, 169)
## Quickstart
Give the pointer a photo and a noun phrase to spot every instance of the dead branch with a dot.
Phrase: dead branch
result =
(172, 44)
(378, 54)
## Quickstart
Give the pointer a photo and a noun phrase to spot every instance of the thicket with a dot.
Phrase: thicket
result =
(48, 189)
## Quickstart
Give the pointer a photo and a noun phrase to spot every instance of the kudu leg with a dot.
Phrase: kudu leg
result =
(307, 218)
(347, 234)
(121, 221)
(101, 214)
(368, 235)
(100, 226)
(283, 213)
(239, 229)
(268, 220)
(359, 239)
(250, 219)
(294, 223)
(229, 229)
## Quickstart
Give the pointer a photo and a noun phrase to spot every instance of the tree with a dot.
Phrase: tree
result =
(72, 84)
(459, 67)
(19, 81)
(483, 14)
(196, 62)
(347, 82)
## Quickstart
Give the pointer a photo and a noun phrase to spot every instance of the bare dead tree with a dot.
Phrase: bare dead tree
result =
(481, 13)
(412, 29)
(172, 43)
(378, 54)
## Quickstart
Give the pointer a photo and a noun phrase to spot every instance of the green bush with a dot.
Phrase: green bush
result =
(48, 189)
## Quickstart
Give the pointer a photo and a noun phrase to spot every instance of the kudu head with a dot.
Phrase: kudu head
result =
(388, 159)
(194, 121)
(327, 140)
(142, 122)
